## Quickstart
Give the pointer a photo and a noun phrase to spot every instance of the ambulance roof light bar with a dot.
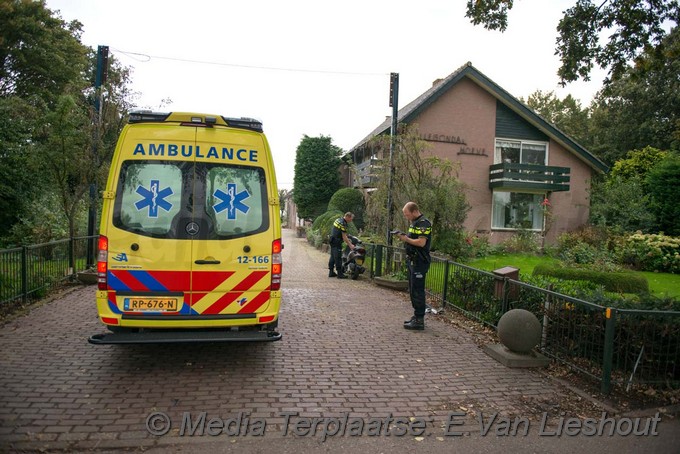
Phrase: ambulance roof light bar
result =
(138, 116)
(244, 123)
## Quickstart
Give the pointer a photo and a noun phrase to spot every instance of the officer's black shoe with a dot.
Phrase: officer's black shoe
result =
(410, 320)
(342, 276)
(417, 324)
(331, 273)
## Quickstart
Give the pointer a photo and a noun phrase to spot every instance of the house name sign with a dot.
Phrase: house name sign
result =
(442, 138)
(473, 151)
(429, 137)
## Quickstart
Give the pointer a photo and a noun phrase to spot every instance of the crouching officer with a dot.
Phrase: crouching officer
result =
(339, 236)
(417, 243)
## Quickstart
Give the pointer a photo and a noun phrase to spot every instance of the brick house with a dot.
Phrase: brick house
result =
(510, 158)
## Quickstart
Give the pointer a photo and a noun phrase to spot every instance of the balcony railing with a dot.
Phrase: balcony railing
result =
(367, 172)
(529, 176)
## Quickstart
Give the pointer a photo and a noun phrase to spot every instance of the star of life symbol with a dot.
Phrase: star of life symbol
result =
(154, 198)
(122, 257)
(231, 201)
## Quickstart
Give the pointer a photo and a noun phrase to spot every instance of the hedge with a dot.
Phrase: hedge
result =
(620, 282)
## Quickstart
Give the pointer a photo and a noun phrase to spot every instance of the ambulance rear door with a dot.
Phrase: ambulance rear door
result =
(150, 252)
(231, 262)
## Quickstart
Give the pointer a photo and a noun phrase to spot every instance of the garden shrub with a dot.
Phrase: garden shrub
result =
(584, 255)
(314, 238)
(473, 246)
(620, 282)
(650, 252)
(591, 235)
(522, 241)
(451, 242)
(349, 199)
(323, 223)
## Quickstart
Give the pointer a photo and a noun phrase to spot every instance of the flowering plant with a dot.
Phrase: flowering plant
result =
(651, 252)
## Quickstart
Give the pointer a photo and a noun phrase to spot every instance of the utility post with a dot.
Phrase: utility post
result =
(99, 80)
(394, 104)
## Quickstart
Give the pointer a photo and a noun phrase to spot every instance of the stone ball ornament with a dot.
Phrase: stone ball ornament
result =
(519, 331)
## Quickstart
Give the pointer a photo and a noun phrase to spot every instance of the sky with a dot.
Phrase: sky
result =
(311, 67)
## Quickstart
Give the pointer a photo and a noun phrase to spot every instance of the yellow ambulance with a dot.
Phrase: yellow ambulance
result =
(190, 236)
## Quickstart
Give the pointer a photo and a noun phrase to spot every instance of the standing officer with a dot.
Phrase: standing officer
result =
(417, 243)
(338, 236)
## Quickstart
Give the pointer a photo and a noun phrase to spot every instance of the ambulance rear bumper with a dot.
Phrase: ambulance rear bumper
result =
(184, 337)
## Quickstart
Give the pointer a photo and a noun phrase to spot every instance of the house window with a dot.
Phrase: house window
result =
(517, 210)
(521, 152)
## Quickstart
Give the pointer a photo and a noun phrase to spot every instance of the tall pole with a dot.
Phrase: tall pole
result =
(99, 80)
(394, 103)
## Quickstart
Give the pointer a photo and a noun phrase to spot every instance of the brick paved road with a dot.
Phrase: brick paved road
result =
(344, 352)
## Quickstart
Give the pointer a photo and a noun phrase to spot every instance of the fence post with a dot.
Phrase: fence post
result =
(445, 290)
(24, 274)
(505, 303)
(378, 259)
(608, 352)
(546, 319)
(72, 256)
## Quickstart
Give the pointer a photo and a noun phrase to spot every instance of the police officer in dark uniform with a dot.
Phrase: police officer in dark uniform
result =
(339, 236)
(417, 243)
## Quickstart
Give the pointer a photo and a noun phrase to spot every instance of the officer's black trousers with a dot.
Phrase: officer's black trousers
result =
(336, 257)
(416, 286)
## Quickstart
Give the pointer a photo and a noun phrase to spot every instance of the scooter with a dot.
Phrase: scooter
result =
(353, 261)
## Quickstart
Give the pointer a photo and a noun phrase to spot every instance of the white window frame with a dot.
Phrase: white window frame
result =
(497, 150)
(536, 214)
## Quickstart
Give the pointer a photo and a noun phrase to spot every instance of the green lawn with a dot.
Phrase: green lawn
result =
(660, 284)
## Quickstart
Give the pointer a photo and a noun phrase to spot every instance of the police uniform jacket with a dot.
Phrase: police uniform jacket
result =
(339, 227)
(420, 227)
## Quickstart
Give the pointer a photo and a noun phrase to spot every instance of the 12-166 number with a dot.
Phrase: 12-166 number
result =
(253, 259)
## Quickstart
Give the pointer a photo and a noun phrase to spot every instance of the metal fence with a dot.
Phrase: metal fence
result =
(620, 347)
(29, 272)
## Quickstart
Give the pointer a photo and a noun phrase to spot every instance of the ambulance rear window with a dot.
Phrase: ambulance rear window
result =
(191, 200)
(236, 199)
(149, 197)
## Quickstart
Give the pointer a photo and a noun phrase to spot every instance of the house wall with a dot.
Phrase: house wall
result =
(467, 112)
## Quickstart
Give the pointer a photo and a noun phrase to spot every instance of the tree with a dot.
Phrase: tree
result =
(566, 114)
(40, 55)
(630, 198)
(663, 181)
(284, 195)
(429, 181)
(637, 163)
(41, 58)
(50, 125)
(642, 107)
(17, 132)
(61, 157)
(632, 25)
(621, 203)
(317, 175)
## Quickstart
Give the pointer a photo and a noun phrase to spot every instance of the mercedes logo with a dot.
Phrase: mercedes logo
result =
(192, 228)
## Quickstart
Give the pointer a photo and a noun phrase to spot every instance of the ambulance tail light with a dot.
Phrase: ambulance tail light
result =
(277, 264)
(102, 259)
